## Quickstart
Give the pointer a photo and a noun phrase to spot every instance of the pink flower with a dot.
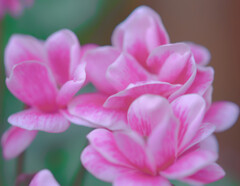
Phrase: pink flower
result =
(14, 7)
(141, 61)
(44, 177)
(44, 76)
(167, 141)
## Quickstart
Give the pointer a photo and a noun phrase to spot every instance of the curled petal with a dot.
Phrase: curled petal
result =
(162, 143)
(22, 48)
(147, 112)
(97, 62)
(222, 114)
(189, 164)
(32, 83)
(123, 99)
(99, 166)
(104, 142)
(126, 66)
(208, 174)
(62, 49)
(202, 81)
(133, 147)
(33, 119)
(90, 108)
(201, 54)
(140, 33)
(44, 177)
(189, 109)
(15, 140)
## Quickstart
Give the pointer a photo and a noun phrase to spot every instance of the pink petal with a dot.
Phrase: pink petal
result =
(89, 107)
(174, 64)
(201, 54)
(22, 48)
(103, 142)
(133, 147)
(208, 96)
(126, 66)
(15, 140)
(162, 142)
(32, 83)
(205, 130)
(189, 109)
(98, 60)
(140, 33)
(76, 120)
(147, 112)
(189, 164)
(171, 63)
(141, 179)
(33, 119)
(202, 81)
(208, 174)
(223, 114)
(67, 91)
(44, 177)
(123, 99)
(97, 165)
(62, 48)
(210, 144)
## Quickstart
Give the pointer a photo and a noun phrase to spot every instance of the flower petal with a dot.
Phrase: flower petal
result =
(208, 174)
(123, 99)
(90, 108)
(32, 83)
(97, 165)
(201, 54)
(97, 62)
(189, 164)
(223, 114)
(62, 48)
(133, 147)
(140, 179)
(189, 109)
(205, 130)
(67, 91)
(103, 141)
(141, 32)
(162, 143)
(147, 112)
(44, 177)
(202, 81)
(15, 140)
(126, 66)
(22, 48)
(33, 119)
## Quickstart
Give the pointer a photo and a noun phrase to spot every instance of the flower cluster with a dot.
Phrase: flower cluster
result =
(153, 107)
(14, 7)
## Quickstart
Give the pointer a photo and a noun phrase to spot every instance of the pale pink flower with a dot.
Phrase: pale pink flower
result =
(44, 76)
(14, 7)
(44, 178)
(15, 140)
(167, 141)
(141, 61)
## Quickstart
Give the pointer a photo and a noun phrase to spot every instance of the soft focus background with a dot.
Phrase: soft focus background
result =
(214, 24)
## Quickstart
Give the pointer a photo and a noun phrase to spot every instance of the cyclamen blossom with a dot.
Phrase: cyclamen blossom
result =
(14, 7)
(44, 177)
(44, 76)
(167, 141)
(142, 61)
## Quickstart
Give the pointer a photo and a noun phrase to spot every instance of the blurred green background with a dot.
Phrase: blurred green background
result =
(213, 24)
